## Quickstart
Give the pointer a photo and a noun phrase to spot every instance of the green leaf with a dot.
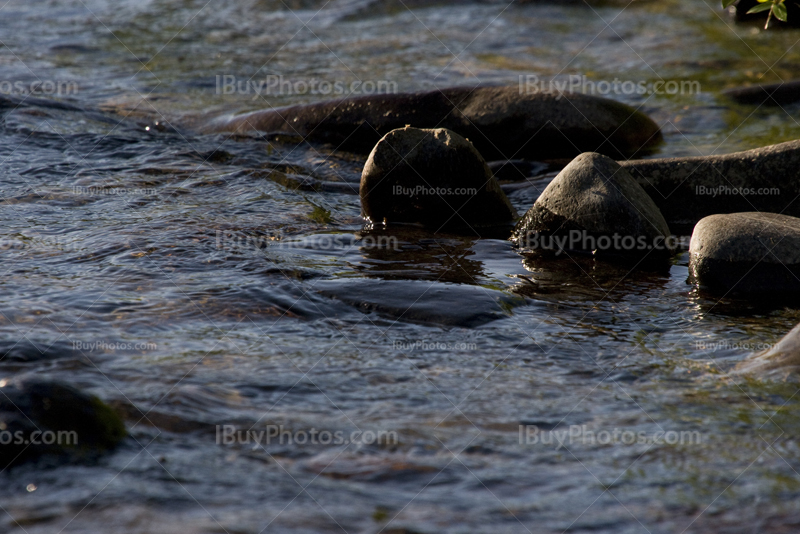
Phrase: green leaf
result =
(759, 8)
(780, 12)
(727, 3)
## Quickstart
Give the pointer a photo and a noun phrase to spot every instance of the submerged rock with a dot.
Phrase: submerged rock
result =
(502, 122)
(781, 361)
(423, 301)
(773, 94)
(431, 177)
(688, 189)
(595, 205)
(747, 253)
(42, 418)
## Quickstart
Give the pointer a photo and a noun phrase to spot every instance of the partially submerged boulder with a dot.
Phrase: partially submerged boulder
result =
(772, 94)
(756, 254)
(40, 418)
(781, 361)
(502, 122)
(431, 177)
(688, 189)
(595, 205)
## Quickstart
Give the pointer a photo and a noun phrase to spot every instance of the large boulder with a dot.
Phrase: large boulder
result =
(688, 189)
(747, 253)
(502, 122)
(595, 205)
(40, 418)
(780, 361)
(431, 177)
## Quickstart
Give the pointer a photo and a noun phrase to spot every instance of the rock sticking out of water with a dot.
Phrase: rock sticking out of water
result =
(755, 254)
(502, 122)
(48, 419)
(688, 189)
(781, 361)
(595, 205)
(773, 94)
(431, 177)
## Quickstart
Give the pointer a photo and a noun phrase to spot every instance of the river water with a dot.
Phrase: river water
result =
(201, 283)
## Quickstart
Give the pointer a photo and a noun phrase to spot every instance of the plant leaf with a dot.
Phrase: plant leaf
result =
(759, 8)
(727, 3)
(780, 11)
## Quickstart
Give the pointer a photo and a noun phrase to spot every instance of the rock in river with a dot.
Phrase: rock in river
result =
(595, 205)
(773, 94)
(502, 122)
(688, 189)
(753, 253)
(431, 177)
(781, 361)
(54, 420)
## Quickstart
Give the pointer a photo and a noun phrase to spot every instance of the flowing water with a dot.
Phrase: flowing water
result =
(198, 281)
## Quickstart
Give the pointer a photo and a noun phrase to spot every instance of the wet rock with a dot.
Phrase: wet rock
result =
(774, 94)
(595, 205)
(431, 177)
(747, 253)
(71, 425)
(423, 301)
(688, 189)
(781, 361)
(502, 122)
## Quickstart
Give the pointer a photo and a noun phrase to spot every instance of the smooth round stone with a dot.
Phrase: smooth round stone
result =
(747, 253)
(595, 205)
(88, 426)
(431, 177)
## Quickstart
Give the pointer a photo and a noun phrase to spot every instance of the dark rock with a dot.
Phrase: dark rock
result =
(595, 205)
(773, 94)
(747, 253)
(781, 361)
(688, 189)
(72, 425)
(422, 301)
(502, 122)
(431, 177)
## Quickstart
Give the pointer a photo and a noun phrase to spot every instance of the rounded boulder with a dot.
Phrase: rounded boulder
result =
(431, 177)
